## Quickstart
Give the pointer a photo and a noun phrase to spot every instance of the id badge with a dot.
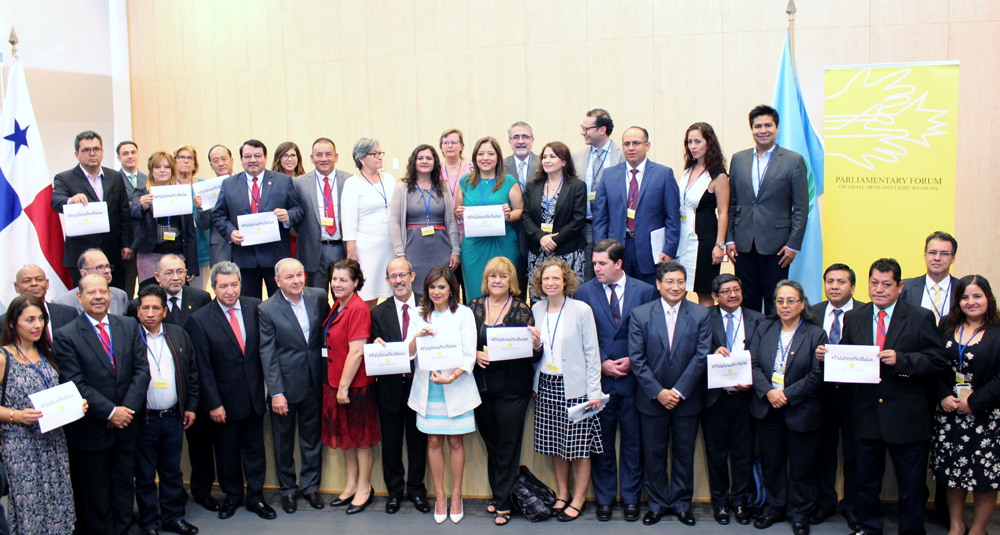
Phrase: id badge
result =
(630, 213)
(326, 221)
(960, 379)
(169, 236)
(684, 217)
(322, 352)
(552, 368)
(159, 383)
(778, 378)
(547, 227)
(384, 219)
(427, 231)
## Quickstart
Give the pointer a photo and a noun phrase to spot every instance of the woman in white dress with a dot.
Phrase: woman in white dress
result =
(365, 220)
(704, 186)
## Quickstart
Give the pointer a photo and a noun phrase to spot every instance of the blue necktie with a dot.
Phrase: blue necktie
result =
(730, 331)
(835, 333)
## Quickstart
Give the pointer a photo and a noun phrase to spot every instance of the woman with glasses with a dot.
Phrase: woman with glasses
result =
(154, 237)
(288, 160)
(786, 378)
(186, 159)
(365, 222)
(453, 168)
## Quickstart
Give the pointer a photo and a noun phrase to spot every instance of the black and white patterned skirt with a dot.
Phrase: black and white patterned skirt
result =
(554, 433)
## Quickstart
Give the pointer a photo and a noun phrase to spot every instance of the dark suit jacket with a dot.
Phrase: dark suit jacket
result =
(385, 325)
(570, 216)
(139, 181)
(83, 360)
(292, 365)
(144, 231)
(276, 191)
(612, 342)
(308, 229)
(657, 366)
(192, 299)
(658, 206)
(985, 370)
(897, 410)
(69, 183)
(185, 366)
(510, 165)
(228, 378)
(751, 319)
(776, 217)
(913, 289)
(819, 310)
(803, 374)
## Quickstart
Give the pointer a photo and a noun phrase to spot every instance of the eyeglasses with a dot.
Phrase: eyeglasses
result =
(254, 156)
(672, 282)
(942, 254)
(289, 156)
(520, 137)
(185, 157)
(220, 160)
(376, 154)
(91, 150)
(171, 272)
(396, 276)
(100, 268)
(732, 291)
(450, 143)
(585, 128)
(790, 301)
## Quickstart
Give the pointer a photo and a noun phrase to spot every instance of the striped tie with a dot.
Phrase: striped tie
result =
(936, 298)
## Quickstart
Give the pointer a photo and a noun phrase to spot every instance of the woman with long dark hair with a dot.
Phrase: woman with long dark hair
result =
(288, 160)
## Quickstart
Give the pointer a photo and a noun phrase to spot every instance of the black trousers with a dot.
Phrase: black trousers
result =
(621, 466)
(252, 278)
(393, 425)
(729, 438)
(307, 412)
(789, 465)
(239, 453)
(131, 276)
(910, 463)
(158, 452)
(501, 424)
(837, 432)
(201, 453)
(759, 274)
(673, 491)
(104, 488)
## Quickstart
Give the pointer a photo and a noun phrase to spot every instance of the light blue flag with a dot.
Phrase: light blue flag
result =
(797, 133)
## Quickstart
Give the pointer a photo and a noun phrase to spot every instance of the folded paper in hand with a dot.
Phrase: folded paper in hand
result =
(578, 413)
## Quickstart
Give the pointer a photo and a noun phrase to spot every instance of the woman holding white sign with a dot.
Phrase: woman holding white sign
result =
(444, 398)
(41, 498)
(153, 236)
(568, 374)
(186, 158)
(786, 379)
(365, 218)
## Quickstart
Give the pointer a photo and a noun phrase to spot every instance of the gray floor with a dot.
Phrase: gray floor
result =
(410, 522)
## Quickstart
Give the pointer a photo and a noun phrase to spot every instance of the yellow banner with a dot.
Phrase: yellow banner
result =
(890, 138)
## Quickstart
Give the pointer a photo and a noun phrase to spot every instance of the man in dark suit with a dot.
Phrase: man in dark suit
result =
(894, 414)
(837, 431)
(226, 338)
(613, 296)
(128, 157)
(291, 340)
(253, 191)
(31, 280)
(171, 404)
(768, 203)
(182, 300)
(320, 242)
(636, 186)
(390, 319)
(105, 357)
(726, 422)
(220, 159)
(668, 340)
(523, 164)
(933, 290)
(89, 182)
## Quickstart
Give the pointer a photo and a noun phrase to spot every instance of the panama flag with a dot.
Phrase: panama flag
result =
(30, 232)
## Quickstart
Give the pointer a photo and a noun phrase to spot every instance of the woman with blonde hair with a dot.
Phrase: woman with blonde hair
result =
(154, 237)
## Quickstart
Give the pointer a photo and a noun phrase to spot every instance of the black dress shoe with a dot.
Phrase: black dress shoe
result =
(392, 506)
(853, 520)
(821, 514)
(686, 518)
(355, 509)
(603, 512)
(228, 508)
(289, 504)
(765, 521)
(721, 515)
(742, 514)
(651, 518)
(208, 502)
(800, 528)
(420, 503)
(340, 502)
(180, 526)
(631, 512)
(315, 500)
(263, 510)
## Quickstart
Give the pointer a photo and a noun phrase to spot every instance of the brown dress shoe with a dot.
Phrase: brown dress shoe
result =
(288, 504)
(315, 500)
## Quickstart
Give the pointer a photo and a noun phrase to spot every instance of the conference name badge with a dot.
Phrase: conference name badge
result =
(960, 379)
(592, 196)
(427, 231)
(326, 221)
(547, 227)
(159, 383)
(778, 378)
(552, 368)
(631, 213)
(169, 236)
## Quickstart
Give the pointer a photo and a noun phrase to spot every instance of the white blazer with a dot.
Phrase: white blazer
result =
(581, 360)
(462, 395)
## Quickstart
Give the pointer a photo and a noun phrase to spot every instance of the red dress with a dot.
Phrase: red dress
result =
(354, 425)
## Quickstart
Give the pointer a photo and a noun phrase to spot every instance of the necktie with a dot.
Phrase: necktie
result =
(406, 327)
(835, 329)
(616, 310)
(235, 325)
(254, 197)
(671, 323)
(132, 179)
(633, 192)
(106, 342)
(598, 160)
(936, 299)
(880, 331)
(522, 172)
(730, 332)
(175, 311)
(328, 206)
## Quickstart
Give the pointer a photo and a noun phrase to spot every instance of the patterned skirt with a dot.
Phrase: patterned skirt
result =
(437, 421)
(354, 425)
(554, 433)
(965, 453)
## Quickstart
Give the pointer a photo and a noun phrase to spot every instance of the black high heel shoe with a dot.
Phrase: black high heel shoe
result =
(340, 502)
(354, 509)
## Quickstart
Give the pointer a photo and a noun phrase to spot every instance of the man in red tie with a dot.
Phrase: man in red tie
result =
(320, 242)
(105, 357)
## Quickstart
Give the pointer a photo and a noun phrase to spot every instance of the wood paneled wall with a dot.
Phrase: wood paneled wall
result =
(222, 71)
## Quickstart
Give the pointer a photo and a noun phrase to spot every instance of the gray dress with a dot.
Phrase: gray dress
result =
(425, 252)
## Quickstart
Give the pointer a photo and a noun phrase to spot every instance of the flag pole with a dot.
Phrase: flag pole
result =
(13, 53)
(790, 10)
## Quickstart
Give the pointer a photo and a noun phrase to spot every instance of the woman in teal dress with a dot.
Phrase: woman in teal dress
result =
(488, 185)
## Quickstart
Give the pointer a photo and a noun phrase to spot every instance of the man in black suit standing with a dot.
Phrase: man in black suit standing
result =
(106, 359)
(128, 157)
(933, 291)
(31, 280)
(171, 403)
(768, 204)
(257, 190)
(894, 414)
(838, 283)
(226, 338)
(320, 243)
(669, 339)
(291, 343)
(89, 182)
(390, 319)
(170, 274)
(726, 422)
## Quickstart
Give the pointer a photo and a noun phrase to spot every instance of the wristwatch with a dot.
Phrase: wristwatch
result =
(720, 245)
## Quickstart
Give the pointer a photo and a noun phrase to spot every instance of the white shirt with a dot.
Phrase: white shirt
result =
(888, 316)
(666, 314)
(322, 204)
(590, 175)
(260, 186)
(95, 182)
(526, 163)
(161, 370)
(759, 168)
(619, 292)
(638, 179)
(552, 352)
(399, 310)
(180, 300)
(239, 317)
(739, 338)
(927, 301)
(300, 314)
(828, 317)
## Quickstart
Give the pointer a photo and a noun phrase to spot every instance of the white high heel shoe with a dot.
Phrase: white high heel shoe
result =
(456, 518)
(441, 518)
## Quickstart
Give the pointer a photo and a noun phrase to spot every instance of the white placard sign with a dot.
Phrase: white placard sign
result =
(851, 364)
(657, 238)
(482, 221)
(727, 372)
(438, 353)
(208, 190)
(171, 200)
(394, 358)
(83, 220)
(259, 228)
(60, 405)
(507, 343)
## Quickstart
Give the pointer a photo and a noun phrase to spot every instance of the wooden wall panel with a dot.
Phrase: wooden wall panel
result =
(887, 12)
(390, 27)
(681, 18)
(619, 19)
(911, 42)
(552, 21)
(442, 25)
(442, 82)
(557, 84)
(621, 78)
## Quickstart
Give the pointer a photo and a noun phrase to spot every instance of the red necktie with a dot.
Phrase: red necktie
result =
(406, 327)
(880, 331)
(633, 193)
(235, 325)
(328, 206)
(254, 197)
(106, 342)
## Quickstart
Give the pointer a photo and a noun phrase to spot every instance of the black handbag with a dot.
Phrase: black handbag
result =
(531, 497)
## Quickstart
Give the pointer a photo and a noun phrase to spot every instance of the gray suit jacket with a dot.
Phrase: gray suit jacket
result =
(510, 165)
(221, 249)
(140, 181)
(776, 217)
(293, 365)
(308, 230)
(117, 307)
(582, 157)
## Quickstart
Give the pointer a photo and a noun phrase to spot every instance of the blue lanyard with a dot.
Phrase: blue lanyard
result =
(605, 159)
(784, 350)
(109, 348)
(760, 174)
(939, 313)
(880, 329)
(961, 346)
(552, 333)
(385, 199)
(548, 202)
(45, 377)
(484, 192)
(500, 315)
(618, 301)
(427, 200)
(327, 201)
(632, 192)
(737, 329)
(253, 198)
(156, 356)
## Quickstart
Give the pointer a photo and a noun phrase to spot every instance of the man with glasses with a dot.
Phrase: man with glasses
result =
(182, 300)
(320, 242)
(132, 177)
(220, 159)
(90, 182)
(524, 165)
(257, 190)
(933, 290)
(601, 153)
(95, 262)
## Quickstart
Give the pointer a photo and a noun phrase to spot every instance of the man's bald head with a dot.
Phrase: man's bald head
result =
(31, 280)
